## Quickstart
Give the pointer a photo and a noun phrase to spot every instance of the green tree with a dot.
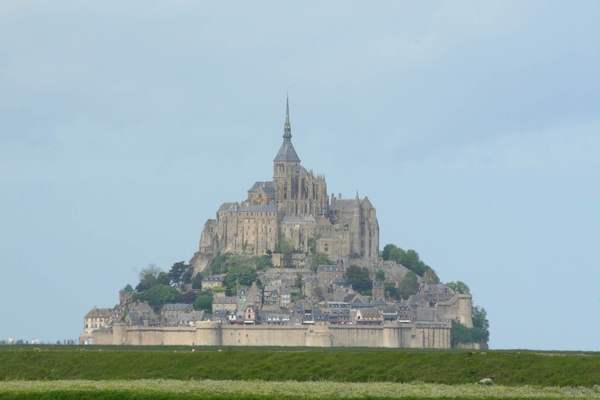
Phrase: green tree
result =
(479, 317)
(262, 263)
(298, 282)
(312, 245)
(158, 295)
(408, 285)
(286, 248)
(163, 279)
(380, 275)
(240, 275)
(128, 288)
(430, 277)
(461, 334)
(391, 290)
(459, 287)
(409, 258)
(246, 274)
(188, 297)
(359, 278)
(177, 272)
(385, 253)
(204, 301)
(217, 263)
(197, 281)
(319, 259)
(148, 277)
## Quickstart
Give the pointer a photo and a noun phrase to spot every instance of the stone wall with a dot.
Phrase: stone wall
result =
(416, 335)
(457, 308)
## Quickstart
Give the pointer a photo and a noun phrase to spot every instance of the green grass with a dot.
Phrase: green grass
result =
(509, 368)
(173, 389)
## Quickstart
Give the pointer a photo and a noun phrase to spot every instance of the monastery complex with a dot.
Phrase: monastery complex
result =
(293, 301)
(294, 205)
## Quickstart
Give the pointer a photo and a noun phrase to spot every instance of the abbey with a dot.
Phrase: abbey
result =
(293, 205)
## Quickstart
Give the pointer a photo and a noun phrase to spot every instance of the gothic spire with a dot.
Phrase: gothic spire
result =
(286, 151)
(287, 127)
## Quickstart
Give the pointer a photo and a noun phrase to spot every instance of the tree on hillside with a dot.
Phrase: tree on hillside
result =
(380, 275)
(189, 297)
(158, 295)
(479, 317)
(151, 270)
(262, 263)
(217, 263)
(430, 277)
(385, 253)
(409, 258)
(204, 301)
(391, 290)
(298, 281)
(163, 279)
(128, 288)
(409, 285)
(359, 278)
(148, 277)
(286, 248)
(177, 273)
(240, 275)
(319, 259)
(459, 287)
(197, 281)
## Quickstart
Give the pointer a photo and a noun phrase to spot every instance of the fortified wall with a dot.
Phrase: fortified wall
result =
(410, 335)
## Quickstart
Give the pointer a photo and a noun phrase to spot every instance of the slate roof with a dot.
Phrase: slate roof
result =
(99, 313)
(297, 220)
(342, 205)
(177, 307)
(226, 206)
(287, 152)
(263, 184)
(265, 208)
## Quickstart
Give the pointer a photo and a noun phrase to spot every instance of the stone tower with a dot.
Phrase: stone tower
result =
(298, 192)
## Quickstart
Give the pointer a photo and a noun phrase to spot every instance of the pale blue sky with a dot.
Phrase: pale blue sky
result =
(473, 127)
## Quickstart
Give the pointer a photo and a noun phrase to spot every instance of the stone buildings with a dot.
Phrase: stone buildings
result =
(293, 205)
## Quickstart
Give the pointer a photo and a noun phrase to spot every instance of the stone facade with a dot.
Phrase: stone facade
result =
(293, 205)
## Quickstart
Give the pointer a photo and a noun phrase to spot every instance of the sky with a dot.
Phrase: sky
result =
(473, 128)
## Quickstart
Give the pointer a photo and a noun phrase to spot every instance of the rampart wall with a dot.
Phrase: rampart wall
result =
(415, 335)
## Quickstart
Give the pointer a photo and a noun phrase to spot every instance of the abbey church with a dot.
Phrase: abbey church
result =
(294, 205)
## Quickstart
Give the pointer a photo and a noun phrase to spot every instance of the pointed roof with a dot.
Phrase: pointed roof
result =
(286, 151)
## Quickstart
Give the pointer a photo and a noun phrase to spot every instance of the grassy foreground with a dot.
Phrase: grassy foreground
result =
(508, 368)
(169, 389)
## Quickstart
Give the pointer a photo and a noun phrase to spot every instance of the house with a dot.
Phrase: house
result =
(191, 318)
(271, 297)
(212, 281)
(96, 318)
(277, 319)
(220, 316)
(285, 297)
(226, 303)
(327, 275)
(248, 295)
(174, 311)
(141, 314)
(250, 315)
(368, 316)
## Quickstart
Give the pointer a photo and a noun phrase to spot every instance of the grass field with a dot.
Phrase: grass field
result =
(96, 372)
